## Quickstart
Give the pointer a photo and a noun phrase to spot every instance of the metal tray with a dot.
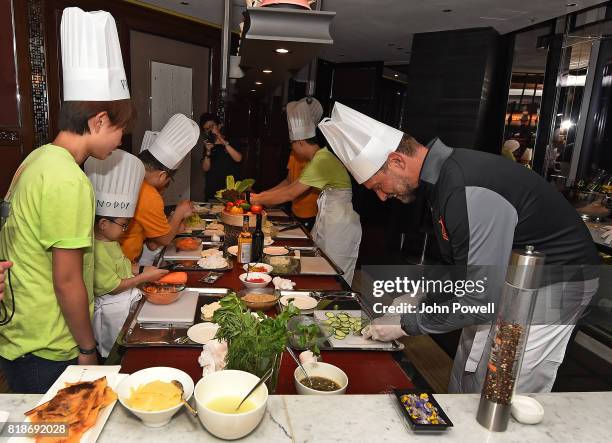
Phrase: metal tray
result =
(175, 265)
(306, 251)
(167, 334)
(343, 301)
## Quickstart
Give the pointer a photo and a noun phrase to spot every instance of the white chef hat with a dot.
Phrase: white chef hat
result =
(116, 182)
(178, 136)
(316, 110)
(360, 142)
(147, 139)
(300, 121)
(92, 66)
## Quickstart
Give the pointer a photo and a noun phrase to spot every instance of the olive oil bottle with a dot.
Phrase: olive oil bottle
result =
(245, 242)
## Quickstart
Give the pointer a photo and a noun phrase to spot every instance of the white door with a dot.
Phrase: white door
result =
(171, 93)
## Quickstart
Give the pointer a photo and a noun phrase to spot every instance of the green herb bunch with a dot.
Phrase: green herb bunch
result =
(254, 342)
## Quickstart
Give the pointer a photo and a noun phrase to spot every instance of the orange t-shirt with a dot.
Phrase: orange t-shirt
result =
(305, 206)
(149, 222)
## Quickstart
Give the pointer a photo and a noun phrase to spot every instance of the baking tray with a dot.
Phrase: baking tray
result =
(339, 301)
(167, 335)
(305, 251)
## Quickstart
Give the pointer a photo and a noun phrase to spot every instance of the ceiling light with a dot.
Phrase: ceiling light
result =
(571, 5)
(282, 51)
(566, 124)
(253, 90)
(258, 83)
(267, 71)
(395, 75)
(447, 10)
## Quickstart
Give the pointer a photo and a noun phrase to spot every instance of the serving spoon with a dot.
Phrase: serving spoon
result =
(297, 360)
(261, 381)
(179, 385)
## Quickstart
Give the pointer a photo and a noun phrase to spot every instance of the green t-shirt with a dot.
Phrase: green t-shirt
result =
(111, 266)
(52, 206)
(325, 171)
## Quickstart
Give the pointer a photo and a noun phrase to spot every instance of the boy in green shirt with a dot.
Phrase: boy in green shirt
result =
(116, 181)
(48, 234)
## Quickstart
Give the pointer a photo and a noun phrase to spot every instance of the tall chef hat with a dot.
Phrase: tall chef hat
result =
(360, 142)
(300, 121)
(316, 110)
(91, 57)
(178, 136)
(116, 182)
(147, 139)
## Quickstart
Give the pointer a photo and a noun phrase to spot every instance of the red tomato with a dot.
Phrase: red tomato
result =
(239, 202)
(229, 204)
(256, 209)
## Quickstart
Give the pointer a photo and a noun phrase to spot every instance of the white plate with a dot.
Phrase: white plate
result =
(233, 250)
(304, 302)
(276, 250)
(268, 268)
(74, 374)
(201, 265)
(268, 241)
(202, 332)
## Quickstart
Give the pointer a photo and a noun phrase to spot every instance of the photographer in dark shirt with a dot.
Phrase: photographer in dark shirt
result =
(221, 158)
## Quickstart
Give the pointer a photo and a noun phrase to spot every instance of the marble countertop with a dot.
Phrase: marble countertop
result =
(568, 417)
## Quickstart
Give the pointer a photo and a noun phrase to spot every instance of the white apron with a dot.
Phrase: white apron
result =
(110, 313)
(147, 257)
(337, 229)
(558, 308)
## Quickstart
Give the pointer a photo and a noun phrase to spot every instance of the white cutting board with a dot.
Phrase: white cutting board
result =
(292, 233)
(316, 265)
(181, 311)
(172, 254)
(352, 341)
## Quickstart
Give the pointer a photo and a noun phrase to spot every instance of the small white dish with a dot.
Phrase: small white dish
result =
(233, 250)
(527, 410)
(202, 332)
(255, 275)
(268, 241)
(276, 250)
(305, 303)
(319, 369)
(154, 419)
(265, 266)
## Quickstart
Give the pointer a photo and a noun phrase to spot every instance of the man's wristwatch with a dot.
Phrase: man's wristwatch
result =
(87, 351)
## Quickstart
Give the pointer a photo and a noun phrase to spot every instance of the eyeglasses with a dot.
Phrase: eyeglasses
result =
(124, 227)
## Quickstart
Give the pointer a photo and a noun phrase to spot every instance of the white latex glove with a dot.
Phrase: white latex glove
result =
(606, 234)
(386, 328)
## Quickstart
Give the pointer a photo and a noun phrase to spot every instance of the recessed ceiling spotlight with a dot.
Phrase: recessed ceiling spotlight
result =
(282, 51)
(447, 10)
(395, 75)
(258, 83)
(571, 5)
(267, 71)
(253, 90)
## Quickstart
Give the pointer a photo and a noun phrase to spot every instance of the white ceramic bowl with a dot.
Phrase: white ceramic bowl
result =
(319, 369)
(268, 268)
(251, 285)
(154, 419)
(233, 384)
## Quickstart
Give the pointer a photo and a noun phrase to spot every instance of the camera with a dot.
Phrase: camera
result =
(210, 137)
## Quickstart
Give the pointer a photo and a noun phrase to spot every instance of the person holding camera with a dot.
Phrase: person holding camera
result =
(221, 158)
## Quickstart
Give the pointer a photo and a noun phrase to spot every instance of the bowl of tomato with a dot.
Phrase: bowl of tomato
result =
(253, 280)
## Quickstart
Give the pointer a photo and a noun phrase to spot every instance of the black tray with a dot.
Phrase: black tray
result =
(414, 424)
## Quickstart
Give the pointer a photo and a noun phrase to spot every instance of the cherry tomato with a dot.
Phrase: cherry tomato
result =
(256, 209)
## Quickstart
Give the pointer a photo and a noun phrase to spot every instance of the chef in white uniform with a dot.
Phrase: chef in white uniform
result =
(116, 181)
(337, 229)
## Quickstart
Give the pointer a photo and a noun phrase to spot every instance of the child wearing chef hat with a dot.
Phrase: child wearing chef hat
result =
(337, 229)
(162, 154)
(49, 232)
(116, 182)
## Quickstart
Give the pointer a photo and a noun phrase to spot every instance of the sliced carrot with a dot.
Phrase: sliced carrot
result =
(174, 278)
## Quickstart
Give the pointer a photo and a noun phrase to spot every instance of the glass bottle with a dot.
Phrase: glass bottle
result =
(245, 242)
(258, 241)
